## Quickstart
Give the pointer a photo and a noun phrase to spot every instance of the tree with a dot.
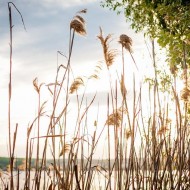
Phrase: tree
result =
(168, 21)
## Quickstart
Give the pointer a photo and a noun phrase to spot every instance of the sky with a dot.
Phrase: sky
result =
(35, 55)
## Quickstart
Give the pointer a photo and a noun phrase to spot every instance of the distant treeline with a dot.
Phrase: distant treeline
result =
(20, 163)
(4, 162)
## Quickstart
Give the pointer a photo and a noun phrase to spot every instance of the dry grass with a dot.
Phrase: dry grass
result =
(145, 148)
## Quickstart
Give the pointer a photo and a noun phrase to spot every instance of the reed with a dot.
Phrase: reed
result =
(147, 145)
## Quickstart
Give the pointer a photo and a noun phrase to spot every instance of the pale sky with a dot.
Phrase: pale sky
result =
(35, 55)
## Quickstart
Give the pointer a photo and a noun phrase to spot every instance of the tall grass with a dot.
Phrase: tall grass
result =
(151, 141)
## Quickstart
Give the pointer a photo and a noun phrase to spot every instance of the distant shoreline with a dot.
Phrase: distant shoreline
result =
(20, 163)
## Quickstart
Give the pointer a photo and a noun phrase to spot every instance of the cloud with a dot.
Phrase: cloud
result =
(69, 3)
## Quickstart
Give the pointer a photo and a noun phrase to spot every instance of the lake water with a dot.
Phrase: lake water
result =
(99, 181)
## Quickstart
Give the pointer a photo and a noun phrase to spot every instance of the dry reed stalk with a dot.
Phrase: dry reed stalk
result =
(76, 176)
(77, 25)
(11, 152)
(9, 105)
(141, 171)
(154, 113)
(123, 87)
(109, 160)
(38, 90)
(27, 157)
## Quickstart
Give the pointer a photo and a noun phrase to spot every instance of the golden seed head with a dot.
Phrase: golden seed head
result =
(128, 133)
(109, 54)
(126, 42)
(185, 94)
(115, 119)
(76, 84)
(78, 25)
(81, 19)
(36, 85)
(94, 76)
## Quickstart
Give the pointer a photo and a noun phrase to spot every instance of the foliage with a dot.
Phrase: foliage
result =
(4, 162)
(168, 21)
(164, 81)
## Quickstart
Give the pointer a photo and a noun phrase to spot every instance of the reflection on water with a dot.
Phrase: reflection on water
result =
(96, 180)
(99, 180)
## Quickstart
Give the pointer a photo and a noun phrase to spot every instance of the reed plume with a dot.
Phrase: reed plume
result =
(96, 72)
(36, 85)
(76, 84)
(115, 118)
(78, 24)
(185, 94)
(109, 54)
(126, 42)
(127, 133)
